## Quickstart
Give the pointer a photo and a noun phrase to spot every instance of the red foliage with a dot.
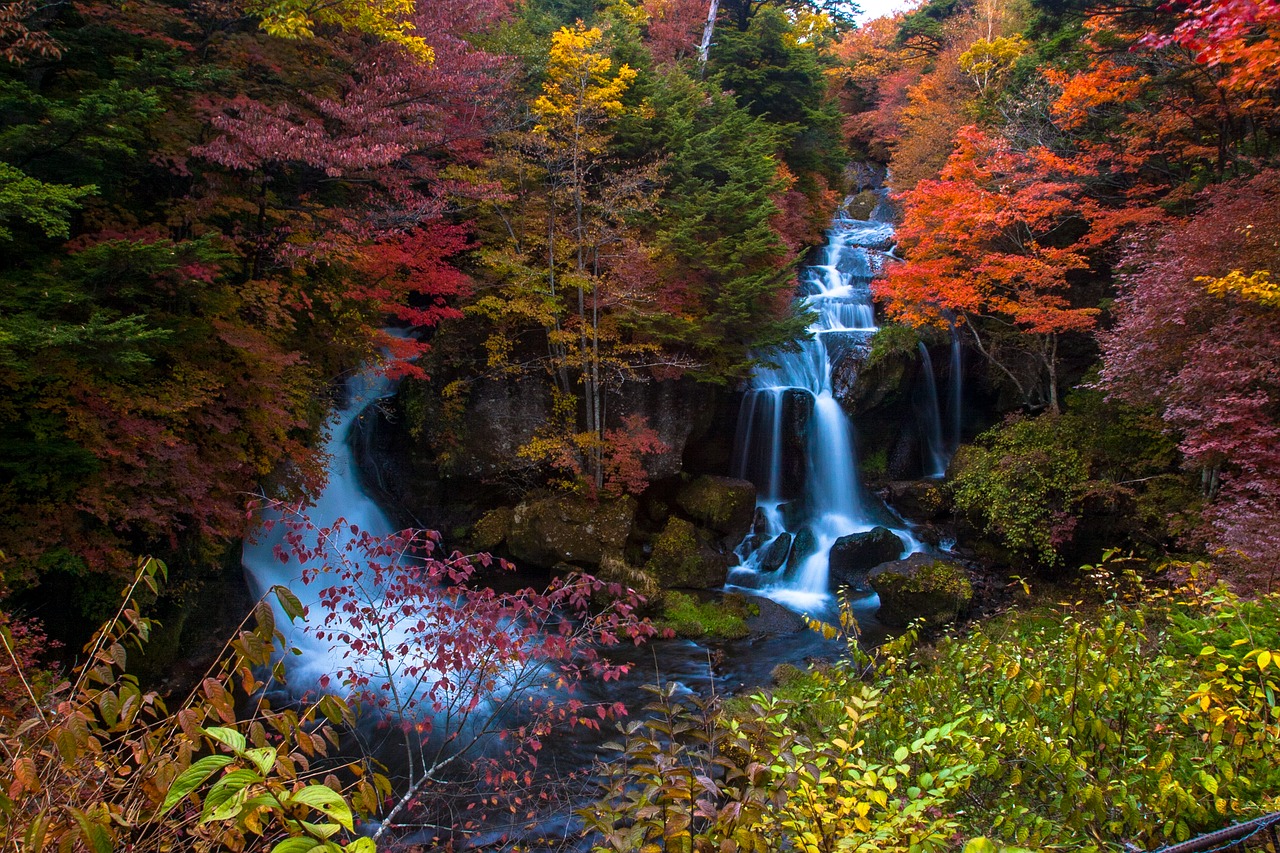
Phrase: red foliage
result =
(625, 449)
(675, 29)
(1210, 364)
(1240, 37)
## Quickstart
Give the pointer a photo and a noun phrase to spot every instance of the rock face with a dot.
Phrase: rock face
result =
(921, 587)
(722, 504)
(853, 556)
(683, 559)
(501, 417)
(569, 529)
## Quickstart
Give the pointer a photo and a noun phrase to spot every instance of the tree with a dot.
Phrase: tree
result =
(992, 243)
(449, 665)
(1215, 381)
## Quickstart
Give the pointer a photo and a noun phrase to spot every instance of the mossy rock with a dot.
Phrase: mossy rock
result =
(681, 558)
(775, 553)
(492, 529)
(687, 616)
(921, 587)
(925, 500)
(853, 556)
(569, 528)
(722, 504)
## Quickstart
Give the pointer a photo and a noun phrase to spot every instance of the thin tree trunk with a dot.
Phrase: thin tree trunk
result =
(704, 50)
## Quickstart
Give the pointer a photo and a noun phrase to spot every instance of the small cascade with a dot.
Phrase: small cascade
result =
(342, 497)
(956, 390)
(794, 440)
(932, 448)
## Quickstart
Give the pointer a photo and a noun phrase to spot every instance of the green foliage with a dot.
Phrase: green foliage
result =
(47, 207)
(98, 764)
(1148, 720)
(1030, 482)
(892, 340)
(688, 617)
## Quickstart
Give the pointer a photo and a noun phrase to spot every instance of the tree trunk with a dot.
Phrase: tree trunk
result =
(704, 50)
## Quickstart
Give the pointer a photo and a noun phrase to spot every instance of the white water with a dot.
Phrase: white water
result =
(932, 446)
(821, 473)
(341, 498)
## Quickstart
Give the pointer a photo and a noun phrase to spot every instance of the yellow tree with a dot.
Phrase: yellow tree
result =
(582, 93)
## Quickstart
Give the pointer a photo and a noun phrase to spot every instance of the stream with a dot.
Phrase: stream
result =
(810, 487)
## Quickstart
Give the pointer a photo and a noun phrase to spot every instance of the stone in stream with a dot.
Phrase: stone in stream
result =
(852, 556)
(920, 587)
(804, 546)
(775, 553)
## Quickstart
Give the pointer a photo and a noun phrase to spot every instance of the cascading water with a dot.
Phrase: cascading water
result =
(931, 441)
(809, 489)
(956, 390)
(342, 497)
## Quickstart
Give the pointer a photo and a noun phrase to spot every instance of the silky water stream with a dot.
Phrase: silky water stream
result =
(796, 443)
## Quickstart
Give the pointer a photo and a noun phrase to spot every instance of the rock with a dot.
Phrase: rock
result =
(854, 555)
(793, 513)
(775, 553)
(803, 546)
(682, 559)
(918, 499)
(678, 410)
(492, 529)
(921, 587)
(759, 522)
(722, 504)
(569, 528)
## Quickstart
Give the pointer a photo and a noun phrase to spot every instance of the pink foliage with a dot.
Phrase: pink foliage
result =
(625, 450)
(675, 29)
(1211, 364)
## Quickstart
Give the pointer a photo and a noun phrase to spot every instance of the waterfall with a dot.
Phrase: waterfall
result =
(341, 498)
(932, 449)
(794, 440)
(957, 380)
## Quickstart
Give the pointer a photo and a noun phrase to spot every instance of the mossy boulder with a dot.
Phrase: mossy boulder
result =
(921, 587)
(853, 556)
(722, 504)
(569, 528)
(682, 558)
(724, 618)
(924, 500)
(492, 529)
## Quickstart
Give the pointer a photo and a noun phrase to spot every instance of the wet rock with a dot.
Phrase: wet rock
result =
(775, 553)
(921, 587)
(683, 559)
(793, 513)
(569, 528)
(722, 504)
(759, 522)
(853, 556)
(803, 546)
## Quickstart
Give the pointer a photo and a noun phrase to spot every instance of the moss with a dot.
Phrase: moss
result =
(876, 465)
(936, 577)
(690, 618)
(720, 503)
(936, 592)
(679, 559)
(892, 340)
(492, 529)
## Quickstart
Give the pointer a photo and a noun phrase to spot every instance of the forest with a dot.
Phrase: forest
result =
(638, 425)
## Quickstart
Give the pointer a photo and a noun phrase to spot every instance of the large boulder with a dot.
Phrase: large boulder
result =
(921, 587)
(775, 553)
(924, 500)
(570, 529)
(722, 504)
(852, 556)
(683, 559)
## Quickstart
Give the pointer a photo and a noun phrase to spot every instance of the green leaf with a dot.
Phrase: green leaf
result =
(94, 834)
(228, 737)
(325, 800)
(980, 845)
(264, 758)
(361, 845)
(297, 845)
(193, 777)
(289, 603)
(900, 754)
(228, 786)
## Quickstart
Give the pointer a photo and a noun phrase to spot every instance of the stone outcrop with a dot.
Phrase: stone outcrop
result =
(921, 500)
(921, 587)
(569, 529)
(721, 504)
